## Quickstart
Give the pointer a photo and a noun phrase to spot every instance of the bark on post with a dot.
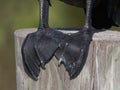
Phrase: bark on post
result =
(101, 71)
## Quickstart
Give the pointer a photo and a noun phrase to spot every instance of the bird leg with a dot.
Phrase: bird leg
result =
(39, 47)
(44, 14)
(73, 50)
(87, 25)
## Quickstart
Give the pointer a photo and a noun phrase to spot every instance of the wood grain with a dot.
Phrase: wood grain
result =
(101, 71)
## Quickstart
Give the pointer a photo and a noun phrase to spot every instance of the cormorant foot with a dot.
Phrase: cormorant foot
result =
(72, 52)
(38, 48)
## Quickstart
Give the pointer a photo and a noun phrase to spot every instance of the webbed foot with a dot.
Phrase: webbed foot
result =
(73, 51)
(38, 48)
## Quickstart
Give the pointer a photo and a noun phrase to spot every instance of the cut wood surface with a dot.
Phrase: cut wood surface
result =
(101, 71)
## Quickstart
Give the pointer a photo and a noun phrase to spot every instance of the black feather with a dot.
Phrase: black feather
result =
(105, 13)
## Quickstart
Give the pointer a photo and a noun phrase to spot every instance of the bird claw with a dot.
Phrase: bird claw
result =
(43, 65)
(61, 60)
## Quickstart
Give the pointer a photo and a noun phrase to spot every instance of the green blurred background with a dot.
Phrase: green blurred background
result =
(17, 14)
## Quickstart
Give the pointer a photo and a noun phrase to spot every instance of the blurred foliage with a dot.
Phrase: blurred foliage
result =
(16, 14)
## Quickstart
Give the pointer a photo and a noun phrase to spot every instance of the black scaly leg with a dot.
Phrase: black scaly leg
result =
(87, 25)
(39, 47)
(44, 14)
(73, 50)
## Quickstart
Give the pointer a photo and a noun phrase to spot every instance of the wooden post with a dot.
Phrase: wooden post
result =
(101, 71)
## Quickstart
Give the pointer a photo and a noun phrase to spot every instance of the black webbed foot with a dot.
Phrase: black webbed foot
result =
(73, 51)
(38, 48)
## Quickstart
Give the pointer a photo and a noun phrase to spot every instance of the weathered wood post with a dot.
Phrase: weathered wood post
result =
(101, 71)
